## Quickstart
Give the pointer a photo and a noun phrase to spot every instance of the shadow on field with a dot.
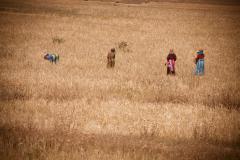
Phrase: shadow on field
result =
(30, 143)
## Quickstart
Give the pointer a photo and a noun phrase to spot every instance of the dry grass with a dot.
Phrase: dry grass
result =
(78, 109)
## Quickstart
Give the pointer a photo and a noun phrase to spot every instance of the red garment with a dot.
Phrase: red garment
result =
(171, 56)
(199, 56)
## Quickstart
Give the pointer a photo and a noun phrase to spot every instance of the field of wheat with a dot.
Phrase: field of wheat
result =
(79, 109)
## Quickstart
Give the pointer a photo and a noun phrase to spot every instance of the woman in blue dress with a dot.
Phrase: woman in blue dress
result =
(199, 60)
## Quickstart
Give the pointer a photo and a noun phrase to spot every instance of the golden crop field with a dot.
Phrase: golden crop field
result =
(80, 109)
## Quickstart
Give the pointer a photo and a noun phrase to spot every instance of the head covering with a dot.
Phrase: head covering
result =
(113, 50)
(46, 55)
(200, 51)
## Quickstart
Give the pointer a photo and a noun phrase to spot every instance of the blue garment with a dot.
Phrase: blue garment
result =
(52, 57)
(200, 67)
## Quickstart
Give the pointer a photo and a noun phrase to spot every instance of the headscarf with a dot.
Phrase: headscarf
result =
(200, 52)
(113, 50)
